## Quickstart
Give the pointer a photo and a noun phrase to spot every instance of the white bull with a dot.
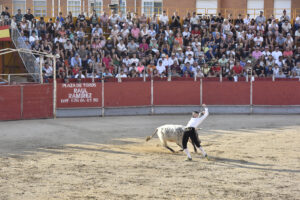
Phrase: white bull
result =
(170, 133)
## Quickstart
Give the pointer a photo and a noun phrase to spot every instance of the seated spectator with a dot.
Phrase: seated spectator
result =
(121, 74)
(237, 69)
(160, 68)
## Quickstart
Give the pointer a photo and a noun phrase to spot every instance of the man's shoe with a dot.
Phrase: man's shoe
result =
(188, 159)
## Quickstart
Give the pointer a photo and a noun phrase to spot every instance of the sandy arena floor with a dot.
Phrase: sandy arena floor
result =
(250, 157)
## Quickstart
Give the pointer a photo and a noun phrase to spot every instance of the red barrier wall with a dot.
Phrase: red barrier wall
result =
(226, 93)
(127, 94)
(10, 102)
(37, 101)
(176, 93)
(276, 93)
(79, 95)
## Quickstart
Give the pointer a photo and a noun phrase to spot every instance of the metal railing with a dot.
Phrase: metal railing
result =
(29, 60)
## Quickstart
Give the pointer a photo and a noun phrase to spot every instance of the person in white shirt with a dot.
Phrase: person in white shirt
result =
(190, 132)
(189, 59)
(121, 74)
(160, 67)
(247, 20)
(164, 18)
(189, 51)
(79, 75)
(33, 38)
(266, 52)
(276, 54)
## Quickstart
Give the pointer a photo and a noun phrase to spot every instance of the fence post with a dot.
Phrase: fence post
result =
(201, 92)
(41, 69)
(22, 96)
(54, 87)
(8, 79)
(251, 94)
(152, 109)
(102, 98)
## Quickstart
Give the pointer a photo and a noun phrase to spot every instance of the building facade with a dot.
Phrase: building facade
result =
(51, 8)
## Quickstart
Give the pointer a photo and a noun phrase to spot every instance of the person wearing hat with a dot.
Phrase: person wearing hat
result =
(191, 133)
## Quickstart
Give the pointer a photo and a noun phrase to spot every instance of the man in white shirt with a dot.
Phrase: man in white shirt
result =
(160, 67)
(121, 74)
(276, 54)
(189, 51)
(190, 132)
(266, 52)
(164, 18)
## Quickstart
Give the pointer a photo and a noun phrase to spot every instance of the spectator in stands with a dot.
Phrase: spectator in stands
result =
(5, 14)
(28, 16)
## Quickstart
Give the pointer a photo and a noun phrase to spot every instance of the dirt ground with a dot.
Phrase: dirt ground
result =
(250, 157)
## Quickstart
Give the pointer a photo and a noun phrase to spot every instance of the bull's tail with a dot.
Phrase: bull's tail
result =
(150, 137)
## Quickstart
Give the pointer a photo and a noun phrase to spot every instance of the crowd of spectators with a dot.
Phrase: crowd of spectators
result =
(128, 45)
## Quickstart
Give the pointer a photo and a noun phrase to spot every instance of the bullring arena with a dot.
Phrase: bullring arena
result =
(250, 157)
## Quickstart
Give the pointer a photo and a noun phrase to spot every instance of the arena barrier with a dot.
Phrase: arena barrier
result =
(26, 102)
(158, 96)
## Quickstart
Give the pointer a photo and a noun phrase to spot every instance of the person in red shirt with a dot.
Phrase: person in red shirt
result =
(196, 32)
(237, 69)
(216, 69)
(288, 52)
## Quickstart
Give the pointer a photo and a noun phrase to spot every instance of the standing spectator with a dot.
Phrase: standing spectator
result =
(28, 16)
(94, 19)
(5, 14)
(175, 21)
(260, 19)
(19, 16)
(164, 19)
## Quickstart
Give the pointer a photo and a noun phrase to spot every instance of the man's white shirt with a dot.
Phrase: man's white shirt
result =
(195, 122)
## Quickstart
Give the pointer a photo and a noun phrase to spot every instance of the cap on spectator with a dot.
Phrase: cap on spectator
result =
(163, 55)
(249, 61)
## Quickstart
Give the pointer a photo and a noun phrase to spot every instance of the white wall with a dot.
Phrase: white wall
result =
(207, 6)
(254, 7)
(280, 5)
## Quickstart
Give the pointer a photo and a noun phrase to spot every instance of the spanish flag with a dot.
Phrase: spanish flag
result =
(4, 33)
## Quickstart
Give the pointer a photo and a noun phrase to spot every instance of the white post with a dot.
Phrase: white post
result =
(144, 74)
(152, 109)
(201, 92)
(169, 74)
(54, 86)
(102, 104)
(52, 8)
(251, 93)
(221, 72)
(8, 79)
(41, 69)
(93, 74)
(58, 6)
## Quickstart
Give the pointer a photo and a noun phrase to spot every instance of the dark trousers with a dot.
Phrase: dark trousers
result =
(190, 132)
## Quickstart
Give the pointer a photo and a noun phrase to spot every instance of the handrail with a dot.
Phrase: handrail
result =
(26, 55)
